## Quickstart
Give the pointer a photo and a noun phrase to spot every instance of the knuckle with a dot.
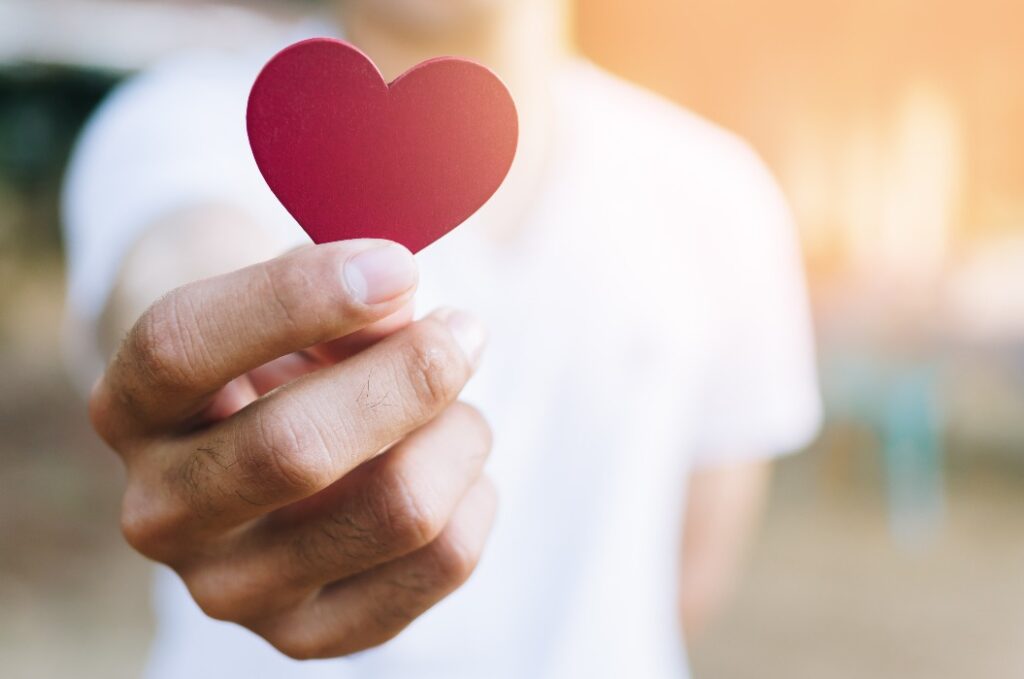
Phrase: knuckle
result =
(137, 531)
(382, 629)
(404, 513)
(242, 590)
(294, 650)
(475, 425)
(147, 528)
(158, 344)
(297, 639)
(433, 365)
(286, 456)
(296, 643)
(99, 409)
(453, 560)
(213, 597)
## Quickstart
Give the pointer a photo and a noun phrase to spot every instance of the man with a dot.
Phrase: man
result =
(298, 449)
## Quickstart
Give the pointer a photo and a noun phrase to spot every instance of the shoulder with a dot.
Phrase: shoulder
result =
(686, 205)
(172, 115)
(641, 126)
(185, 90)
(157, 131)
(678, 179)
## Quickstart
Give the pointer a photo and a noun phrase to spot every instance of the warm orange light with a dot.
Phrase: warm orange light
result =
(896, 128)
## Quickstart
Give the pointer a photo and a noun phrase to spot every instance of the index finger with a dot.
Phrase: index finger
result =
(199, 337)
(297, 441)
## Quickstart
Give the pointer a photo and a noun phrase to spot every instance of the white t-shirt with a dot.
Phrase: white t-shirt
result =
(649, 317)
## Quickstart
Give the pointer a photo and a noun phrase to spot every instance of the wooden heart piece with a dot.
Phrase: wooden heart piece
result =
(350, 156)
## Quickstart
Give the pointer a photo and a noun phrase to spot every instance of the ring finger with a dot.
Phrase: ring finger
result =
(373, 607)
(384, 509)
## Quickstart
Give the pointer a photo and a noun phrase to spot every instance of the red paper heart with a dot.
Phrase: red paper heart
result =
(350, 156)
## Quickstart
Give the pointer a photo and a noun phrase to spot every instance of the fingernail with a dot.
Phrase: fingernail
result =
(469, 333)
(380, 274)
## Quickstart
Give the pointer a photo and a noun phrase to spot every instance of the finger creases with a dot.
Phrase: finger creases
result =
(389, 507)
(385, 509)
(199, 337)
(371, 608)
(303, 437)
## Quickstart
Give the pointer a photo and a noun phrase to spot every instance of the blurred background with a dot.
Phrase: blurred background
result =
(893, 548)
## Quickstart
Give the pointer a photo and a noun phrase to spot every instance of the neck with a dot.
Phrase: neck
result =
(519, 40)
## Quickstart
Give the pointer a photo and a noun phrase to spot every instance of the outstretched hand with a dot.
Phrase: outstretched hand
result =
(294, 446)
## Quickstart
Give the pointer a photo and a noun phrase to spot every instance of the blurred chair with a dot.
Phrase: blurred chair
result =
(900, 402)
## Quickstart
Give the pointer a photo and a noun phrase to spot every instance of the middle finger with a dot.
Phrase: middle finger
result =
(301, 438)
(385, 509)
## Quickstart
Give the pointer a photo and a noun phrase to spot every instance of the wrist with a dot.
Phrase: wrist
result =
(183, 247)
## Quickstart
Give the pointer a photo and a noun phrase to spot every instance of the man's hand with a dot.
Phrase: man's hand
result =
(255, 463)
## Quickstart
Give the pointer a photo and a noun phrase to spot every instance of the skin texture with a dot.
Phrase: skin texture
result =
(300, 458)
(430, 19)
(724, 506)
(306, 478)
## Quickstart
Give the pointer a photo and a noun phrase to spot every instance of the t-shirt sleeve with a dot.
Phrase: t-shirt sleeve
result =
(166, 140)
(760, 395)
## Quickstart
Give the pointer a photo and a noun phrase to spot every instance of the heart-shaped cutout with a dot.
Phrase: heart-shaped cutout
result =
(350, 156)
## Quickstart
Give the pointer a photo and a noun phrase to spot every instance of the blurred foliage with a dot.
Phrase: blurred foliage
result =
(41, 111)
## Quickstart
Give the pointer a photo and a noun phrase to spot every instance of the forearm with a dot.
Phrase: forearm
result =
(723, 508)
(184, 246)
